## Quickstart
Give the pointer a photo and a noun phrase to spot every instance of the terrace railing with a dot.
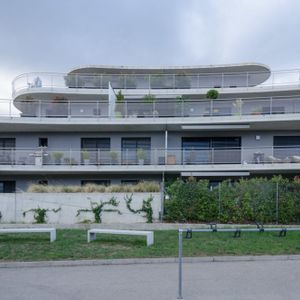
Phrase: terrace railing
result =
(56, 81)
(133, 108)
(157, 156)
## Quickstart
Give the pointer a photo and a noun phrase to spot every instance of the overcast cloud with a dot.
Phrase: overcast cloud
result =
(57, 35)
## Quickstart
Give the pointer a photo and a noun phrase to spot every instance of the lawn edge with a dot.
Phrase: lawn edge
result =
(133, 261)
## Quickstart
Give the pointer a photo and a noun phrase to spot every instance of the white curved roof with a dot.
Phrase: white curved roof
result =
(228, 68)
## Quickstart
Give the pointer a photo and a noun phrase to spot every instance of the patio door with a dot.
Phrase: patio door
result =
(98, 149)
(136, 150)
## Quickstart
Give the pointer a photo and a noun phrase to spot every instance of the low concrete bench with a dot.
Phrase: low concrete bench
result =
(91, 234)
(52, 231)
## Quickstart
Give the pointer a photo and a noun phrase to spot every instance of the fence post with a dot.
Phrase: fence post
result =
(180, 264)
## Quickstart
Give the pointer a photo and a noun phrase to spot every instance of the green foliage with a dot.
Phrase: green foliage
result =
(149, 98)
(40, 214)
(97, 209)
(212, 94)
(146, 207)
(120, 97)
(246, 201)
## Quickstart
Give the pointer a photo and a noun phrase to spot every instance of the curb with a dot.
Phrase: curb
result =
(134, 261)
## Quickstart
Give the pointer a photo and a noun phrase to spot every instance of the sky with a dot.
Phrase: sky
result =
(57, 35)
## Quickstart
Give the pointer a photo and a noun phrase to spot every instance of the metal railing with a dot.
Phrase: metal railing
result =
(56, 81)
(160, 108)
(155, 156)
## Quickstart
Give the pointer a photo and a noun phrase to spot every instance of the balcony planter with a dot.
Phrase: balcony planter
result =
(85, 157)
(57, 156)
(113, 157)
(141, 156)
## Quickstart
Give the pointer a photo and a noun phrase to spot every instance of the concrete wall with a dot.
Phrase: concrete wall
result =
(12, 207)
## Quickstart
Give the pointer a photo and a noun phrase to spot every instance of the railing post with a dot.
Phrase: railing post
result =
(126, 109)
(247, 79)
(70, 156)
(149, 83)
(174, 81)
(69, 109)
(211, 107)
(212, 155)
(10, 108)
(97, 109)
(271, 105)
(222, 83)
(40, 109)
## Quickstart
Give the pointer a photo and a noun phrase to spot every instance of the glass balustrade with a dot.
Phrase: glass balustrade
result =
(139, 157)
(58, 81)
(156, 108)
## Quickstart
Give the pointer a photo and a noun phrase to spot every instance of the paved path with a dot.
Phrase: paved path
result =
(264, 280)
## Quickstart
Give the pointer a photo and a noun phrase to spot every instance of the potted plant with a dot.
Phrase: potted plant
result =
(119, 104)
(57, 156)
(85, 157)
(256, 111)
(212, 94)
(141, 155)
(149, 98)
(237, 104)
(113, 157)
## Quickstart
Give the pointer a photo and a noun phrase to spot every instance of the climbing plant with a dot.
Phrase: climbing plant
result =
(146, 207)
(40, 214)
(98, 208)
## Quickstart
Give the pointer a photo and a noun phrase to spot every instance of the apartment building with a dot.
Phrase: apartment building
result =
(117, 124)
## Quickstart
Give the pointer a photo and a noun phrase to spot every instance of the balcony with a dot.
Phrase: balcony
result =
(58, 82)
(176, 159)
(158, 108)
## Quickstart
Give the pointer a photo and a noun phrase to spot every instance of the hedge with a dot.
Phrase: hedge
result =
(275, 200)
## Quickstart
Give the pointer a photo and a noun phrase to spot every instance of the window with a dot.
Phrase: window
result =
(285, 146)
(43, 142)
(98, 148)
(7, 186)
(216, 150)
(135, 150)
(43, 182)
(7, 155)
(130, 181)
(105, 182)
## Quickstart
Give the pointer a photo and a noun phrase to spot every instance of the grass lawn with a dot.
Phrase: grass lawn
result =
(71, 244)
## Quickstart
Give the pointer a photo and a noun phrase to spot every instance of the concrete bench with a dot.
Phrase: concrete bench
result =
(52, 231)
(91, 234)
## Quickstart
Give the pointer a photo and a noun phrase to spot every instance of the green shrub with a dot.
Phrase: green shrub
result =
(212, 94)
(245, 201)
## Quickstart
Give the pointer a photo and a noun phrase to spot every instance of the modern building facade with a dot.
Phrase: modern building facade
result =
(107, 124)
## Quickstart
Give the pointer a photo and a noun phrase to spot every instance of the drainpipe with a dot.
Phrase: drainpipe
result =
(166, 146)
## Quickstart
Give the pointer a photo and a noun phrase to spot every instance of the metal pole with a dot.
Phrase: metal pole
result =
(180, 264)
(277, 202)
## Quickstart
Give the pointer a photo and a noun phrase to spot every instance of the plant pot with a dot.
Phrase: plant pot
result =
(38, 160)
(86, 161)
(141, 162)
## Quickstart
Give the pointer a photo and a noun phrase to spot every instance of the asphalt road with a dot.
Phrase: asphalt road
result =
(265, 280)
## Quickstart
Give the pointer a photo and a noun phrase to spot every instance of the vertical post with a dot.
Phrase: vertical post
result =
(166, 146)
(10, 108)
(271, 105)
(179, 264)
(40, 108)
(162, 197)
(277, 201)
(219, 195)
(247, 79)
(69, 109)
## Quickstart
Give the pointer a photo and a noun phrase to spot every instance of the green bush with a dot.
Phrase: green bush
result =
(246, 201)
